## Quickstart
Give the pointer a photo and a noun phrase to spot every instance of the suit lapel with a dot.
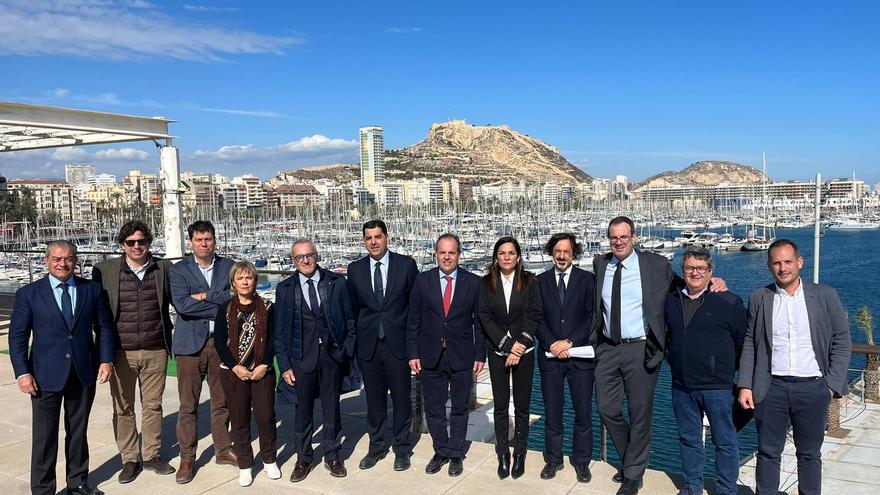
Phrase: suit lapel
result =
(767, 307)
(645, 275)
(499, 297)
(81, 296)
(196, 272)
(389, 282)
(811, 301)
(48, 295)
(325, 290)
(573, 282)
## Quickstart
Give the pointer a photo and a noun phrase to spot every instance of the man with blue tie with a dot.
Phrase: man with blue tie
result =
(314, 343)
(446, 345)
(567, 294)
(380, 285)
(61, 312)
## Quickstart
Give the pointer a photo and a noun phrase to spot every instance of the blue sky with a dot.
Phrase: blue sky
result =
(631, 88)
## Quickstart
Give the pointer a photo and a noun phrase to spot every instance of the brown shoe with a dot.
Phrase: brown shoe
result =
(186, 471)
(336, 468)
(227, 458)
(158, 465)
(300, 471)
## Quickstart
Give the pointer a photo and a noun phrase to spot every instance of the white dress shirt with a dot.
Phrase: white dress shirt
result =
(383, 269)
(793, 353)
(208, 273)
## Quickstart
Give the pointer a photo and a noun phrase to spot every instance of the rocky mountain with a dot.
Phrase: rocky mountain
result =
(706, 173)
(481, 153)
(340, 172)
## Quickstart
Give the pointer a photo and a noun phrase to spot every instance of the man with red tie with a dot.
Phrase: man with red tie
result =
(446, 346)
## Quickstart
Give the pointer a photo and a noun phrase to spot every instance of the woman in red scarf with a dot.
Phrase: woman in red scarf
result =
(243, 336)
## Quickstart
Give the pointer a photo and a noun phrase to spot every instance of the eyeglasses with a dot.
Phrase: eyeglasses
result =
(139, 242)
(620, 238)
(308, 256)
(697, 269)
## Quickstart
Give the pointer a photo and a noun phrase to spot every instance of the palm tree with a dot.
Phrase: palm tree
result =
(865, 319)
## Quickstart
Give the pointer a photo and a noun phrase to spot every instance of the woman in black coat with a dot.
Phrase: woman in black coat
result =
(510, 310)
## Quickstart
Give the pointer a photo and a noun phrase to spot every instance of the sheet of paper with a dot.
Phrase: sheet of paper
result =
(582, 352)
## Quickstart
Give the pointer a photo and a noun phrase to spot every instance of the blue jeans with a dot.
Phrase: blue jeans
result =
(689, 407)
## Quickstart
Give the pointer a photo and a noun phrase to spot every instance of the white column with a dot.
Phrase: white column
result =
(171, 212)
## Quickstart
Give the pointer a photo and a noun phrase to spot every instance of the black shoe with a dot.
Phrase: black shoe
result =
(300, 470)
(519, 466)
(550, 469)
(336, 468)
(456, 467)
(401, 462)
(583, 472)
(159, 466)
(436, 463)
(618, 477)
(130, 472)
(371, 459)
(503, 466)
(630, 487)
(84, 489)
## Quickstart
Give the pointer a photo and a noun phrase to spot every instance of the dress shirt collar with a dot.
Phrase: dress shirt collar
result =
(143, 267)
(454, 274)
(383, 260)
(686, 291)
(631, 261)
(799, 292)
(567, 272)
(303, 280)
(205, 268)
(54, 282)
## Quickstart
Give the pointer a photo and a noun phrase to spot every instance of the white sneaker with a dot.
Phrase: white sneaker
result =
(245, 478)
(272, 471)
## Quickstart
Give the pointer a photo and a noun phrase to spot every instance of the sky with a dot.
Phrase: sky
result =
(625, 87)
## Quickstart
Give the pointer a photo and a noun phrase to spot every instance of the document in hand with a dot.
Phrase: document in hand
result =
(582, 352)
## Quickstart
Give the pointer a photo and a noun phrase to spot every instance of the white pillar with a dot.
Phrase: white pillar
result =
(171, 212)
(817, 231)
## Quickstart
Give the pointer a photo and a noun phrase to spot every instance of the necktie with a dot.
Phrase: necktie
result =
(447, 295)
(66, 305)
(562, 288)
(313, 298)
(379, 290)
(615, 304)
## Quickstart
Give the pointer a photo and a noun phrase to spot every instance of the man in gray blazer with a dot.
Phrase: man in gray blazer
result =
(199, 286)
(794, 360)
(137, 286)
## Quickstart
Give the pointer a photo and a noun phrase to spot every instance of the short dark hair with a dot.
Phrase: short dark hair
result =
(563, 236)
(699, 253)
(130, 227)
(619, 220)
(60, 243)
(372, 224)
(783, 242)
(200, 226)
(448, 235)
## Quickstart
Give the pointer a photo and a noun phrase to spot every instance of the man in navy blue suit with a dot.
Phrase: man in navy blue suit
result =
(61, 312)
(567, 293)
(446, 345)
(380, 285)
(314, 342)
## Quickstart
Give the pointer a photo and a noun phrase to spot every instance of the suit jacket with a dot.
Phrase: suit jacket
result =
(829, 332)
(106, 273)
(657, 280)
(192, 324)
(55, 344)
(338, 314)
(461, 328)
(503, 328)
(393, 312)
(572, 320)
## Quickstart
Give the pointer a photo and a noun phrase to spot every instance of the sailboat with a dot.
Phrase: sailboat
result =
(762, 241)
(855, 221)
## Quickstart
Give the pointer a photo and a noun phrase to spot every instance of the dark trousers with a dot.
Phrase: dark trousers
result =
(77, 398)
(580, 385)
(689, 405)
(324, 382)
(801, 403)
(384, 373)
(438, 384)
(620, 371)
(242, 398)
(191, 371)
(522, 397)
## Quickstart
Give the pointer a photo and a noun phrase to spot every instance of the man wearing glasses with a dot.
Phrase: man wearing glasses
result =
(138, 288)
(630, 338)
(706, 332)
(314, 343)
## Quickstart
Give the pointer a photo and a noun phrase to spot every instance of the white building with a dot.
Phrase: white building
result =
(78, 174)
(372, 155)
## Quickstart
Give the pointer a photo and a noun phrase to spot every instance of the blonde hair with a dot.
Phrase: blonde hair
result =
(241, 266)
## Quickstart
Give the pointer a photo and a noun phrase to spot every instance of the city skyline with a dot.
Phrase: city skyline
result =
(633, 89)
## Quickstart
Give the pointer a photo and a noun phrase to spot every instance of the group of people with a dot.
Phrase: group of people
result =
(611, 329)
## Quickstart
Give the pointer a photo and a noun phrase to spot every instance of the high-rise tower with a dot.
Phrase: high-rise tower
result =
(372, 155)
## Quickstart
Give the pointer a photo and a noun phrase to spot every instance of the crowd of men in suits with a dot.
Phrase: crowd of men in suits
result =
(607, 331)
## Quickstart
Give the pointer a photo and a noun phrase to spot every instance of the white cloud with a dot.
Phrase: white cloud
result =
(308, 150)
(404, 30)
(69, 154)
(231, 111)
(128, 154)
(120, 31)
(206, 8)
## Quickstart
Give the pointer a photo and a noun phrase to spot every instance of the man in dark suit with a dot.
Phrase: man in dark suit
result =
(380, 285)
(445, 344)
(314, 343)
(199, 286)
(138, 287)
(794, 360)
(567, 294)
(61, 312)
